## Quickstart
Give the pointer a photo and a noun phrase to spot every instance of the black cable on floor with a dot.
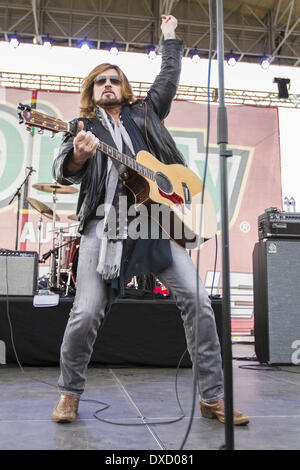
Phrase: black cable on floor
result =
(105, 405)
(149, 422)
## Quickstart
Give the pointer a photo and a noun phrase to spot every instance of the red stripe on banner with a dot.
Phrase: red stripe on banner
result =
(239, 303)
(23, 220)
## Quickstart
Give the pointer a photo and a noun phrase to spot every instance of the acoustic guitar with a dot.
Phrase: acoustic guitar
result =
(171, 193)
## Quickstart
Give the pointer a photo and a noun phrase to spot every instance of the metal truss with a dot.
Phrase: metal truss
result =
(252, 28)
(184, 93)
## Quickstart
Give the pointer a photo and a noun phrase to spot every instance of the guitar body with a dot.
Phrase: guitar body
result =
(178, 192)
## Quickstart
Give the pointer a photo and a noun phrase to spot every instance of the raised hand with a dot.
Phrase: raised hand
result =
(168, 25)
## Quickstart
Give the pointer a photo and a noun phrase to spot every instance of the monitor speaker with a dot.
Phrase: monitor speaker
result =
(276, 286)
(18, 272)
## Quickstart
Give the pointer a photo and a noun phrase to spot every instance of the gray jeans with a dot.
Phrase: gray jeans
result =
(88, 310)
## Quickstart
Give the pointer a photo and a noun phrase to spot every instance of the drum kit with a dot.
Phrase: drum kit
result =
(64, 245)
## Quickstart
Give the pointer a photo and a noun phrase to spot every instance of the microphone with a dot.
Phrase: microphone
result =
(46, 255)
(49, 253)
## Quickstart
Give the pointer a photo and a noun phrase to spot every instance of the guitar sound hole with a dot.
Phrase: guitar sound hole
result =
(163, 183)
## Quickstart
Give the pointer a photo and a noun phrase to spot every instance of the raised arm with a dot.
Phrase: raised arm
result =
(163, 90)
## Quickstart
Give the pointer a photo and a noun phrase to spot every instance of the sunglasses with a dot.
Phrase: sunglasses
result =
(102, 79)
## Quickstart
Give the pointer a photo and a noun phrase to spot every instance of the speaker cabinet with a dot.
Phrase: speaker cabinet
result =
(276, 283)
(18, 272)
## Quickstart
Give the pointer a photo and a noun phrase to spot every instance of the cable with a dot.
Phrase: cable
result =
(8, 316)
(106, 405)
(257, 367)
(195, 362)
(215, 266)
(262, 365)
(150, 422)
(11, 331)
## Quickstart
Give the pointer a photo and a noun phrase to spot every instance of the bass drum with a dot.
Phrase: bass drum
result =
(69, 246)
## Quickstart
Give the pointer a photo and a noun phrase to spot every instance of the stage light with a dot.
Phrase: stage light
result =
(231, 59)
(47, 43)
(282, 84)
(14, 41)
(85, 46)
(265, 62)
(195, 56)
(113, 49)
(151, 51)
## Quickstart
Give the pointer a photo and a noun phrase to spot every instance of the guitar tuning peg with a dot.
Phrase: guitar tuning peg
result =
(28, 128)
(53, 134)
(41, 131)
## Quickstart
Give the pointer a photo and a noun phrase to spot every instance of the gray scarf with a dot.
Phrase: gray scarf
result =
(114, 209)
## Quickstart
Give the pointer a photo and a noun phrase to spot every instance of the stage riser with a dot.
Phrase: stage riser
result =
(141, 332)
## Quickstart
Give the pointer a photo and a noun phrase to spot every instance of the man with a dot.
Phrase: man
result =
(110, 113)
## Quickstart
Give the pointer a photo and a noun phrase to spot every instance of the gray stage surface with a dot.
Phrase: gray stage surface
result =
(269, 395)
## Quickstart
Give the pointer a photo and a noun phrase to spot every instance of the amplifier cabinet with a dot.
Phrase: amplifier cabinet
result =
(18, 272)
(276, 285)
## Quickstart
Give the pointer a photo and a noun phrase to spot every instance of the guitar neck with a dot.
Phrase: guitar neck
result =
(43, 121)
(129, 162)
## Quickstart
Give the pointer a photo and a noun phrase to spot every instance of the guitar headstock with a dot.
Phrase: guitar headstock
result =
(32, 118)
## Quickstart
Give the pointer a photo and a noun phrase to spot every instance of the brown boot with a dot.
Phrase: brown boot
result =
(65, 410)
(217, 410)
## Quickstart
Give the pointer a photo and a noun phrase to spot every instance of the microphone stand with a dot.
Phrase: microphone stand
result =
(226, 315)
(18, 195)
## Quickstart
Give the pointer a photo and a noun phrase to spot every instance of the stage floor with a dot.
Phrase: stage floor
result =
(269, 395)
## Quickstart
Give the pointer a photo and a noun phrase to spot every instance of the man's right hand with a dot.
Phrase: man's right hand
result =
(85, 145)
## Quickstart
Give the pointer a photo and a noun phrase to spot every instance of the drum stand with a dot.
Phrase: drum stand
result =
(60, 283)
(54, 189)
(39, 237)
(18, 195)
(61, 230)
(52, 280)
(68, 284)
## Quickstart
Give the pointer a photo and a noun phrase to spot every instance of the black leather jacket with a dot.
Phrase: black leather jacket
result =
(148, 115)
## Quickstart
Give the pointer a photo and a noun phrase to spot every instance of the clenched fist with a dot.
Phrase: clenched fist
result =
(168, 26)
(85, 145)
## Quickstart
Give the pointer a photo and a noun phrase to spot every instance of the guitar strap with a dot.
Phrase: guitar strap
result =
(99, 127)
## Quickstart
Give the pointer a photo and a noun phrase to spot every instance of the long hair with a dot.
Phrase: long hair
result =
(86, 101)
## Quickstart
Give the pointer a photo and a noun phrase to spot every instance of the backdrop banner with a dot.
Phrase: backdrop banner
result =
(254, 182)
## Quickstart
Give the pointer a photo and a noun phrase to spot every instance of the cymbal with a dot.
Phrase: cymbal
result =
(54, 187)
(72, 217)
(42, 208)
